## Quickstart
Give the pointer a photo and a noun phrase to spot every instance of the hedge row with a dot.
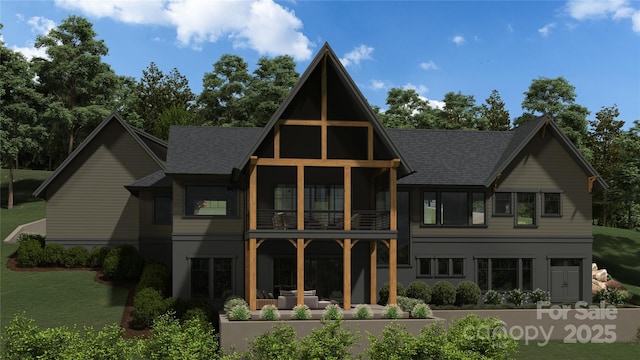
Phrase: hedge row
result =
(194, 339)
(442, 293)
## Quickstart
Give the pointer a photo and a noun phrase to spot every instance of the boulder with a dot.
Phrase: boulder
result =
(597, 285)
(600, 275)
(594, 267)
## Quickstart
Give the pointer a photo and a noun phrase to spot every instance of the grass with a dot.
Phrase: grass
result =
(618, 251)
(557, 349)
(51, 298)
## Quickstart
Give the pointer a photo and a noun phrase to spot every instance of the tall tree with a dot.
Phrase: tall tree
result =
(158, 92)
(221, 101)
(606, 156)
(556, 98)
(494, 114)
(78, 85)
(19, 128)
(625, 180)
(460, 112)
(405, 109)
(271, 83)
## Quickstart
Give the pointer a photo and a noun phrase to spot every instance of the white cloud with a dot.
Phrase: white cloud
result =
(30, 52)
(262, 25)
(359, 53)
(603, 9)
(420, 89)
(510, 28)
(435, 104)
(377, 84)
(429, 65)
(546, 30)
(41, 25)
(458, 40)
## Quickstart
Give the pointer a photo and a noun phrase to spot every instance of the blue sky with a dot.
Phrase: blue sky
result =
(431, 46)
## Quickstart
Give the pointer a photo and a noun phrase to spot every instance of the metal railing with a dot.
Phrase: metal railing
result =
(273, 219)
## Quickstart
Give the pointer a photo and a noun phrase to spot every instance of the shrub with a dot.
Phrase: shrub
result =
(467, 293)
(269, 312)
(171, 339)
(148, 304)
(516, 297)
(239, 313)
(612, 296)
(123, 263)
(332, 312)
(392, 311)
(233, 301)
(188, 308)
(432, 342)
(419, 290)
(279, 344)
(196, 313)
(32, 236)
(486, 338)
(335, 294)
(638, 335)
(76, 256)
(407, 304)
(443, 293)
(155, 275)
(331, 341)
(493, 297)
(53, 255)
(421, 311)
(539, 295)
(30, 253)
(363, 312)
(613, 284)
(97, 256)
(395, 342)
(384, 292)
(301, 312)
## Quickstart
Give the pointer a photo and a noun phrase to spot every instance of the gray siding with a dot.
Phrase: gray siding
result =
(87, 203)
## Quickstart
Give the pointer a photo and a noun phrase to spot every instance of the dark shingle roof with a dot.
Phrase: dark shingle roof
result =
(208, 150)
(450, 157)
(154, 180)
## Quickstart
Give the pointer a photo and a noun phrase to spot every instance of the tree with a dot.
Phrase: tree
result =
(494, 114)
(624, 183)
(460, 112)
(270, 85)
(221, 101)
(157, 92)
(556, 99)
(19, 128)
(606, 152)
(405, 109)
(79, 87)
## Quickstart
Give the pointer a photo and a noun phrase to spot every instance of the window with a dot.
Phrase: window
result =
(552, 204)
(211, 277)
(502, 204)
(444, 267)
(200, 278)
(454, 208)
(210, 201)
(505, 274)
(162, 210)
(526, 209)
(424, 267)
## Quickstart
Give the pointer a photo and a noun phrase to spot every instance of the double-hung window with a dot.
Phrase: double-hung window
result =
(526, 209)
(551, 204)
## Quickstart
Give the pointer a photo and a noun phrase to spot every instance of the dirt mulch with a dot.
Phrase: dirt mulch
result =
(127, 315)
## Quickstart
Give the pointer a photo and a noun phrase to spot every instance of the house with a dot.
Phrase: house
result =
(325, 198)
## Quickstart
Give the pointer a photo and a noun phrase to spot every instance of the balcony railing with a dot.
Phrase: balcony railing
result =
(323, 220)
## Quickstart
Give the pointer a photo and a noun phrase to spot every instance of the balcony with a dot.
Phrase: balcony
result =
(273, 219)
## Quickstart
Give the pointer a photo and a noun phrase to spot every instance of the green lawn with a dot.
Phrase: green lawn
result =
(618, 251)
(51, 298)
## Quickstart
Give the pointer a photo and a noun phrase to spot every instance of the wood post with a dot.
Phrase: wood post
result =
(300, 271)
(373, 270)
(393, 243)
(252, 274)
(346, 250)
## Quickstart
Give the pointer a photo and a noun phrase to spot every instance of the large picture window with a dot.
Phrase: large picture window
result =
(211, 277)
(505, 274)
(526, 215)
(210, 201)
(454, 208)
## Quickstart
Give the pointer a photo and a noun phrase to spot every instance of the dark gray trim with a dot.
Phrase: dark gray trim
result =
(203, 237)
(501, 239)
(92, 243)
